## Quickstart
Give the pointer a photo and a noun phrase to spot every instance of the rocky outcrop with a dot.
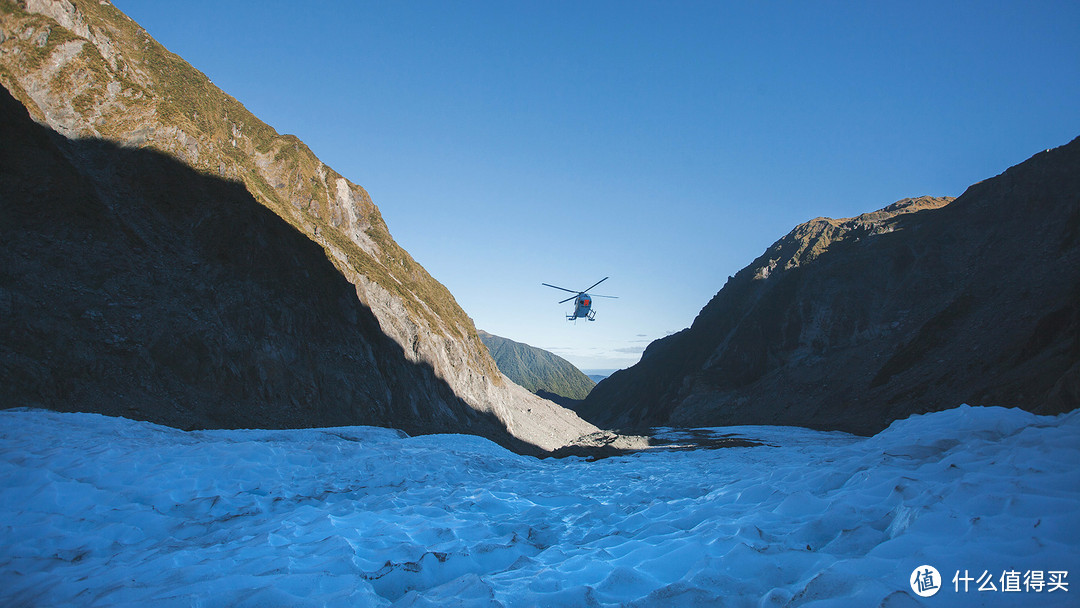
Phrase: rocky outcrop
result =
(87, 71)
(852, 324)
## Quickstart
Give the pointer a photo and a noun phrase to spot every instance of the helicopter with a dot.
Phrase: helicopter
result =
(582, 301)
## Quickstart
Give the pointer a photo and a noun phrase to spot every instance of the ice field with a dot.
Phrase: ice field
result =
(98, 511)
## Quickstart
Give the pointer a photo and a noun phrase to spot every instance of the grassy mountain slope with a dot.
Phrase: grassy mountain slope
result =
(88, 71)
(536, 369)
(198, 311)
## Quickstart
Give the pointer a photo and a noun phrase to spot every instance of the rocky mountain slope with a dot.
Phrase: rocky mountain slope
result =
(852, 324)
(538, 370)
(89, 72)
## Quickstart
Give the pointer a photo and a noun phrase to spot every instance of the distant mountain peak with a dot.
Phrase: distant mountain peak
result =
(538, 370)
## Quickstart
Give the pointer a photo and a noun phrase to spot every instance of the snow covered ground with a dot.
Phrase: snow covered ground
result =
(98, 511)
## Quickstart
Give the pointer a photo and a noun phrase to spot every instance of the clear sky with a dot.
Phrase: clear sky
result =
(663, 144)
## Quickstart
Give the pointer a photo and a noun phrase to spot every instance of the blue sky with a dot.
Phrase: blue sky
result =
(665, 145)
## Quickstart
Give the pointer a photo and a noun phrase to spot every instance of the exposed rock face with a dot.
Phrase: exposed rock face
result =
(538, 370)
(87, 71)
(852, 324)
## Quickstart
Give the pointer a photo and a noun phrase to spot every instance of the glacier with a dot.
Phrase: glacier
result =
(100, 511)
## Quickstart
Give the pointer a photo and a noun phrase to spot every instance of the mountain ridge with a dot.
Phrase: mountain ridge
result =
(201, 311)
(852, 324)
(88, 71)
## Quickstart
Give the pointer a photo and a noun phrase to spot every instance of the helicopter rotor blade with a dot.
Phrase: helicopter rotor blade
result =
(596, 295)
(595, 284)
(562, 288)
(568, 299)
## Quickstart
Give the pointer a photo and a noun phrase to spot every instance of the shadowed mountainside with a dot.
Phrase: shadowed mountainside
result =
(852, 324)
(132, 285)
(538, 370)
(88, 71)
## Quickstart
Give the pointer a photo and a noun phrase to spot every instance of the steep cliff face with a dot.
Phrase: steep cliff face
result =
(86, 70)
(851, 324)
